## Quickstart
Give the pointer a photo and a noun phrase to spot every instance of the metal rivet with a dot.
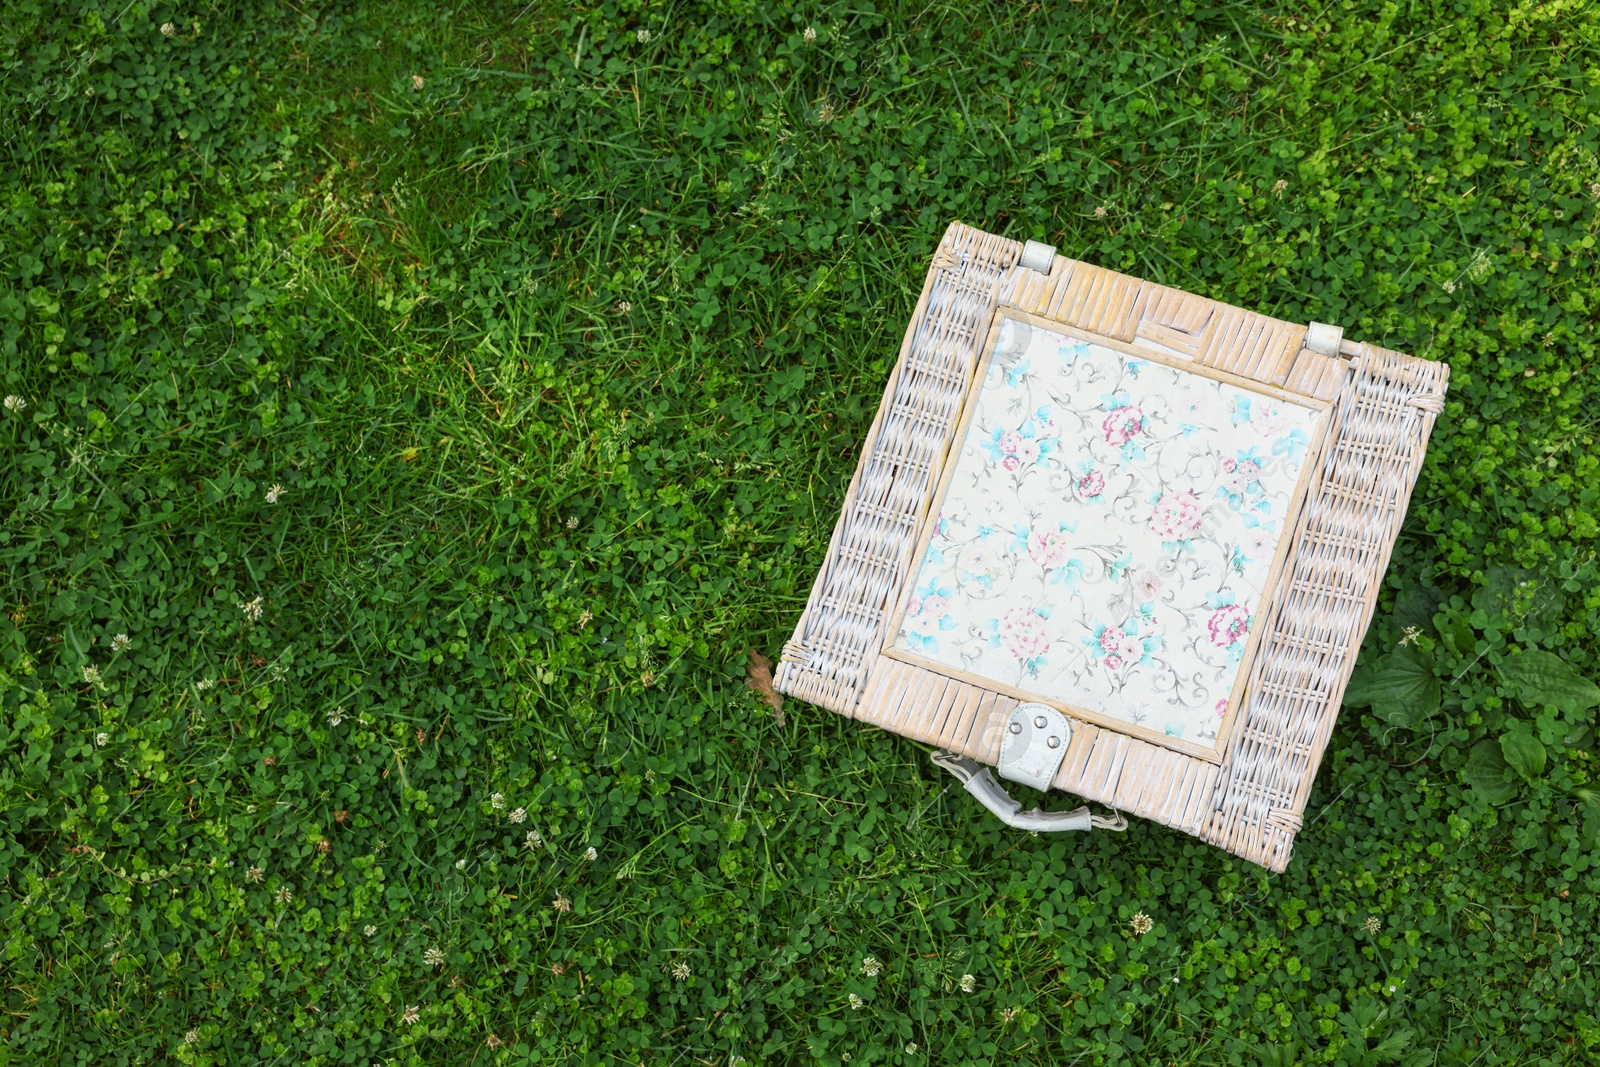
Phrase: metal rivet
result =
(1054, 742)
(1016, 727)
(1040, 721)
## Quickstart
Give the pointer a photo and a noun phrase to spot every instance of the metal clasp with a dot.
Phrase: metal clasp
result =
(1034, 744)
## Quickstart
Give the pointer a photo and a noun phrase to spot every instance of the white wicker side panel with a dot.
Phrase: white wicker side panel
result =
(836, 642)
(1317, 619)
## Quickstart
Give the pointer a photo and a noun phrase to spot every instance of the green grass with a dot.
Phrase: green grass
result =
(559, 340)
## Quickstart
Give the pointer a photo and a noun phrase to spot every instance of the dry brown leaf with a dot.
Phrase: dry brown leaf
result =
(759, 678)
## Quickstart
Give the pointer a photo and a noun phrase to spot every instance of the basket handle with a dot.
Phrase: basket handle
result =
(991, 794)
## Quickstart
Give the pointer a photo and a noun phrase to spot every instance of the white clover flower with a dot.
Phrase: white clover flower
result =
(855, 1002)
(434, 957)
(516, 815)
(1007, 1015)
(1279, 186)
(810, 36)
(285, 895)
(968, 983)
(1372, 924)
(680, 970)
(1409, 637)
(412, 1013)
(102, 739)
(1449, 287)
(15, 403)
(461, 864)
(624, 307)
(911, 1048)
(497, 801)
(369, 929)
(1141, 924)
(336, 716)
(533, 840)
(590, 855)
(274, 493)
(168, 29)
(193, 1036)
(870, 966)
(91, 674)
(121, 643)
(205, 683)
(643, 36)
(585, 617)
(417, 82)
(253, 609)
(1100, 212)
(561, 903)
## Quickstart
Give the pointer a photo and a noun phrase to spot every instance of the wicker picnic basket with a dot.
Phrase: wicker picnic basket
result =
(1116, 539)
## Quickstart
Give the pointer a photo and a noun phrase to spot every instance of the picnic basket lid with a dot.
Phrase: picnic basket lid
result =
(1115, 539)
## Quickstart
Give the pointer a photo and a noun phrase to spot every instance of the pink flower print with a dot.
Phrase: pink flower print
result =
(1022, 632)
(1176, 515)
(1122, 425)
(1091, 485)
(1010, 442)
(1047, 548)
(1267, 418)
(1148, 584)
(935, 605)
(1113, 663)
(1228, 625)
(1110, 640)
(1028, 451)
(1129, 647)
(1242, 474)
(1258, 543)
(1222, 707)
(915, 607)
(1010, 463)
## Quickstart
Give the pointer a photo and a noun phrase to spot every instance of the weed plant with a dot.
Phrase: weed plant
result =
(417, 411)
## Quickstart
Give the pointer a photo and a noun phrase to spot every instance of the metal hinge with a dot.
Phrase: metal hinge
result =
(1036, 255)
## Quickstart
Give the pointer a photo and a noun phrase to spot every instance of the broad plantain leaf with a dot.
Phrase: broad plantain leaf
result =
(1402, 688)
(1415, 606)
(1524, 752)
(1589, 807)
(1456, 632)
(1541, 678)
(1486, 773)
(1522, 597)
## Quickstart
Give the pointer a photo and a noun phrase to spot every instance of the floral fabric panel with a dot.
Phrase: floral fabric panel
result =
(1107, 532)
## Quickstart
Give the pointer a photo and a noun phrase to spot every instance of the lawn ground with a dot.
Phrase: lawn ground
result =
(421, 410)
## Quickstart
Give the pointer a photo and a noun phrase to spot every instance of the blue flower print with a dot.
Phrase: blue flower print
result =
(927, 615)
(1292, 447)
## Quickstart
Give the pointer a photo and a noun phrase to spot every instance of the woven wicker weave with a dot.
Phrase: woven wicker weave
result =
(1249, 796)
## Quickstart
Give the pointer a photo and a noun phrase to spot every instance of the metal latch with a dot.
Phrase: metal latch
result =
(1034, 744)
